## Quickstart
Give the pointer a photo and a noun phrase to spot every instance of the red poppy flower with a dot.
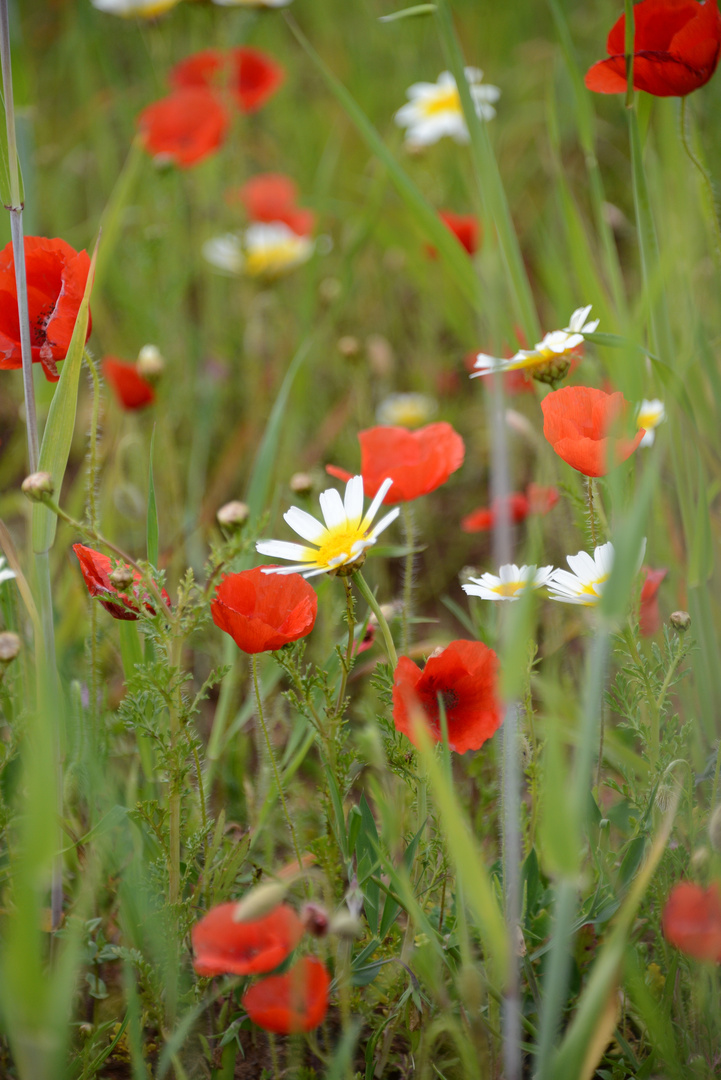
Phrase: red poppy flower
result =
(296, 1001)
(263, 612)
(131, 389)
(692, 920)
(485, 519)
(676, 49)
(417, 461)
(250, 76)
(96, 570)
(577, 422)
(272, 197)
(464, 674)
(649, 617)
(56, 277)
(464, 227)
(224, 946)
(541, 499)
(185, 127)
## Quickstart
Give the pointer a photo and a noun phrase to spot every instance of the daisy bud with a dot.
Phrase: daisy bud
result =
(714, 829)
(680, 621)
(259, 902)
(38, 484)
(10, 646)
(346, 926)
(315, 920)
(233, 515)
(301, 483)
(349, 347)
(122, 577)
(151, 363)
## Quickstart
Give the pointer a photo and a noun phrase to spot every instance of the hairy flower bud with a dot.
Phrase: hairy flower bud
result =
(122, 577)
(10, 646)
(38, 484)
(233, 515)
(680, 621)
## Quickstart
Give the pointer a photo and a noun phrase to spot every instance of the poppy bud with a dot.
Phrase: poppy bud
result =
(10, 646)
(349, 347)
(38, 484)
(301, 483)
(233, 515)
(315, 920)
(259, 902)
(151, 363)
(680, 621)
(121, 577)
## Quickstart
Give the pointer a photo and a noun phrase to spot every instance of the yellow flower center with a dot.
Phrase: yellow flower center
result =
(338, 541)
(273, 259)
(447, 100)
(592, 588)
(508, 588)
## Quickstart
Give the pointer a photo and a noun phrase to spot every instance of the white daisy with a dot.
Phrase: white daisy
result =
(650, 414)
(6, 574)
(554, 351)
(266, 249)
(590, 574)
(340, 542)
(225, 253)
(129, 9)
(434, 109)
(406, 410)
(511, 581)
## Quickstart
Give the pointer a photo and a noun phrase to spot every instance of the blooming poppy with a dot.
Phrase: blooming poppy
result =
(263, 612)
(577, 423)
(649, 617)
(250, 76)
(287, 1004)
(692, 920)
(56, 277)
(129, 386)
(541, 499)
(464, 675)
(676, 49)
(224, 945)
(96, 570)
(272, 197)
(340, 542)
(185, 127)
(517, 509)
(418, 462)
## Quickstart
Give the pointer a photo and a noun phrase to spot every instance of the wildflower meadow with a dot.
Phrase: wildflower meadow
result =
(360, 481)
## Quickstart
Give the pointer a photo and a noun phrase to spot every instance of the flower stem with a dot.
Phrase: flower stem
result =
(409, 536)
(591, 512)
(347, 662)
(274, 765)
(375, 607)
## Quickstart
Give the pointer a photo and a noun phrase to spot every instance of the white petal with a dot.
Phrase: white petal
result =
(353, 502)
(282, 549)
(304, 524)
(385, 522)
(584, 567)
(375, 505)
(331, 505)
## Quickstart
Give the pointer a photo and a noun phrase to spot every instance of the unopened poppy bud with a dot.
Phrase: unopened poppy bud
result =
(330, 289)
(10, 646)
(259, 902)
(301, 483)
(680, 621)
(349, 346)
(151, 363)
(714, 829)
(345, 925)
(233, 514)
(315, 920)
(38, 484)
(122, 577)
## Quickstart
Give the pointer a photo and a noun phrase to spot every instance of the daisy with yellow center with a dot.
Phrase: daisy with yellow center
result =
(406, 410)
(590, 574)
(340, 541)
(130, 9)
(549, 359)
(434, 109)
(253, 3)
(650, 414)
(511, 581)
(265, 250)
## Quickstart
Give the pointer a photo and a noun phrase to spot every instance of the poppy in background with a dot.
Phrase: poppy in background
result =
(676, 49)
(649, 617)
(270, 197)
(465, 676)
(183, 128)
(418, 462)
(223, 945)
(56, 277)
(287, 1004)
(692, 920)
(249, 75)
(96, 569)
(263, 612)
(484, 519)
(577, 423)
(464, 227)
(130, 388)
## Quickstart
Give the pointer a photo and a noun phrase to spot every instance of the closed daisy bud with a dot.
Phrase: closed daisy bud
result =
(349, 347)
(37, 485)
(233, 515)
(680, 621)
(10, 646)
(151, 363)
